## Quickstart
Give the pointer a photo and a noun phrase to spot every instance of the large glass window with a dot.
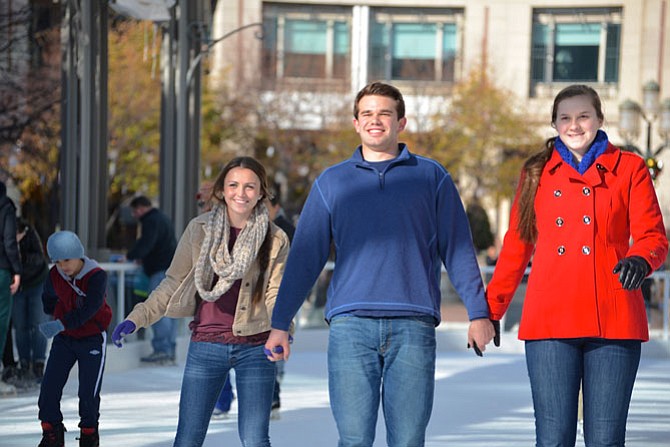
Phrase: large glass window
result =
(417, 45)
(576, 45)
(306, 41)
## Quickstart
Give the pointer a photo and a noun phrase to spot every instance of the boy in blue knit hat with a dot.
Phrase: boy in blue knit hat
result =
(74, 294)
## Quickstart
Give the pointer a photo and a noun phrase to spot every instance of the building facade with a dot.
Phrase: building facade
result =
(325, 51)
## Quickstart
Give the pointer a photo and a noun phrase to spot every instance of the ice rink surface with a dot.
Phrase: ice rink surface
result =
(479, 402)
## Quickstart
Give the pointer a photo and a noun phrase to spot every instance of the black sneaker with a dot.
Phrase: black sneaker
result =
(156, 358)
(38, 371)
(10, 374)
(274, 413)
(53, 435)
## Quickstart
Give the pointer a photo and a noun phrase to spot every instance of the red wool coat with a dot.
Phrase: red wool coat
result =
(585, 226)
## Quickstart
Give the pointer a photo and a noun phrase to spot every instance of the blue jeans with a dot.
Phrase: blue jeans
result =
(391, 360)
(207, 366)
(27, 314)
(226, 397)
(164, 330)
(605, 368)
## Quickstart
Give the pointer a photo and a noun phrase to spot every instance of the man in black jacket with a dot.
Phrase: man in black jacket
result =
(10, 270)
(155, 249)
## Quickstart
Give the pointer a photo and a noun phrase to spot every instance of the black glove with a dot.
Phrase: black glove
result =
(632, 271)
(496, 337)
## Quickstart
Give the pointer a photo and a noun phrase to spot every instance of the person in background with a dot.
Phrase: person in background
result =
(579, 203)
(154, 250)
(278, 215)
(10, 272)
(27, 313)
(225, 274)
(394, 218)
(279, 218)
(75, 295)
(204, 197)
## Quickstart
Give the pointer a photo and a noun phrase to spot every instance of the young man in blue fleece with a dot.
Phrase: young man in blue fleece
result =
(394, 218)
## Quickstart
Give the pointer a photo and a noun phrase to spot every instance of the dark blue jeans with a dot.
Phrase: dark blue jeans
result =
(605, 368)
(164, 330)
(27, 314)
(5, 305)
(225, 400)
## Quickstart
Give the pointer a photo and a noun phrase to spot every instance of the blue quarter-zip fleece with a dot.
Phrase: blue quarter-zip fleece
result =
(392, 230)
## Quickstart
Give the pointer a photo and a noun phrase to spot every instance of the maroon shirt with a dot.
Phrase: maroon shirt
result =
(213, 320)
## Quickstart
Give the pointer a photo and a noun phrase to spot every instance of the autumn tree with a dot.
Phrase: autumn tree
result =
(30, 107)
(29, 68)
(134, 108)
(482, 137)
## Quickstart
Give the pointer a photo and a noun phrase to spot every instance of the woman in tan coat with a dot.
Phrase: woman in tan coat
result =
(225, 274)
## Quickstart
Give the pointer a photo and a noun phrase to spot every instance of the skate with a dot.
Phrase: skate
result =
(53, 435)
(89, 437)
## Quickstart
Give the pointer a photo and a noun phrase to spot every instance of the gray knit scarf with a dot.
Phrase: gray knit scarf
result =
(214, 257)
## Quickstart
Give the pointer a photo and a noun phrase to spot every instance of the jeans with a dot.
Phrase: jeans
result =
(27, 314)
(226, 397)
(605, 368)
(387, 359)
(164, 330)
(206, 369)
(5, 305)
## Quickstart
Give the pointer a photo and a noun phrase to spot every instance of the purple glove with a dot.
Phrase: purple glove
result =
(121, 330)
(277, 349)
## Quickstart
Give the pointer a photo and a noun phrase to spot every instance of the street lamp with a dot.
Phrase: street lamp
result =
(209, 44)
(630, 113)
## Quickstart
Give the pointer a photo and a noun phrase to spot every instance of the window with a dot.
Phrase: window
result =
(303, 42)
(576, 45)
(416, 45)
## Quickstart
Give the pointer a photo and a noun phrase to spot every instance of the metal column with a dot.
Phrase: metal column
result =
(84, 136)
(180, 151)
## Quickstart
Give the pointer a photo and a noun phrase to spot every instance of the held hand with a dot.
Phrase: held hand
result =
(278, 345)
(14, 286)
(51, 328)
(480, 333)
(121, 330)
(632, 271)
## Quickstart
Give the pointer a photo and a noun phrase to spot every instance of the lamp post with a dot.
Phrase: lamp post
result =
(630, 113)
(209, 44)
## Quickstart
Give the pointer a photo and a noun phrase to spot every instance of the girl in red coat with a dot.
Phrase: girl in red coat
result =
(587, 213)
